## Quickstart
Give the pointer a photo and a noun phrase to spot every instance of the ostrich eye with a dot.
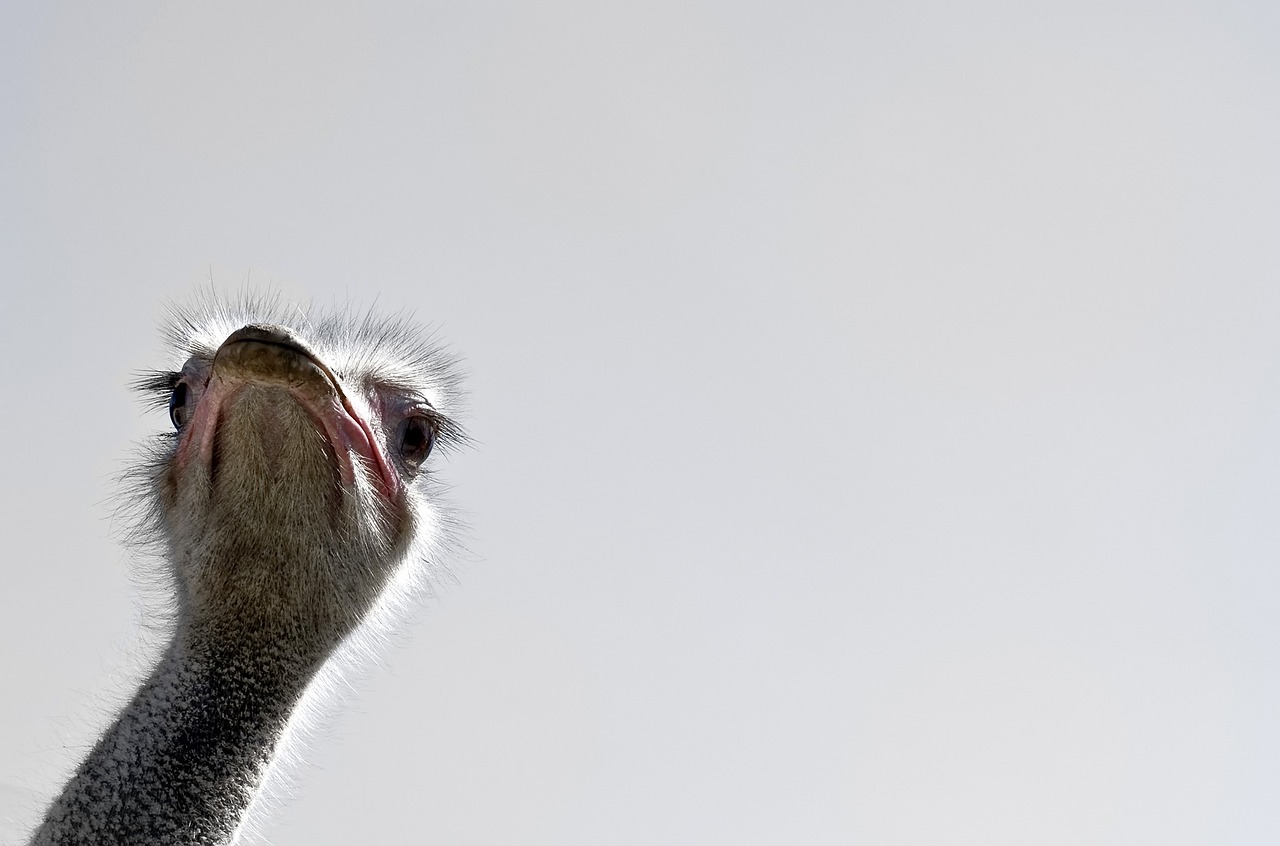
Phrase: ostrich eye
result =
(179, 413)
(416, 439)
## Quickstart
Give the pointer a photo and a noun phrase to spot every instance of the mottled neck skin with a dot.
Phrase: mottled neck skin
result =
(182, 762)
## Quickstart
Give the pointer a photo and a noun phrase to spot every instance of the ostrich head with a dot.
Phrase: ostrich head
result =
(293, 502)
(294, 487)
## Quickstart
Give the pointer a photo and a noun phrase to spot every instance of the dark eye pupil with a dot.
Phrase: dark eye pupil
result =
(178, 412)
(415, 441)
(413, 438)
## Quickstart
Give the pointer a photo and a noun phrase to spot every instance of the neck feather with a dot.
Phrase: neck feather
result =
(182, 761)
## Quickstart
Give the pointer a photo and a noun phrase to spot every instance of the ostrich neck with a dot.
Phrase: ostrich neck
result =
(182, 761)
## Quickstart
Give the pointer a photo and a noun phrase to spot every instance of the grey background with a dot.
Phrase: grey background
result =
(877, 408)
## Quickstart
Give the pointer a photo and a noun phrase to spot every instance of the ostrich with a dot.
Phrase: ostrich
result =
(293, 506)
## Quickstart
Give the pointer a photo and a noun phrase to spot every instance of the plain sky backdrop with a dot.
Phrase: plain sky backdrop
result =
(876, 404)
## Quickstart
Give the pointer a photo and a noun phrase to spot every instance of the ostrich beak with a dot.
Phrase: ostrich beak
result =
(271, 356)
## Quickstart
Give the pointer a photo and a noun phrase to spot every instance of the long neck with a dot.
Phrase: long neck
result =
(182, 761)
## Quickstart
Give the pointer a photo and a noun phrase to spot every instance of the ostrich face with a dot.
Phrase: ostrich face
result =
(294, 485)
